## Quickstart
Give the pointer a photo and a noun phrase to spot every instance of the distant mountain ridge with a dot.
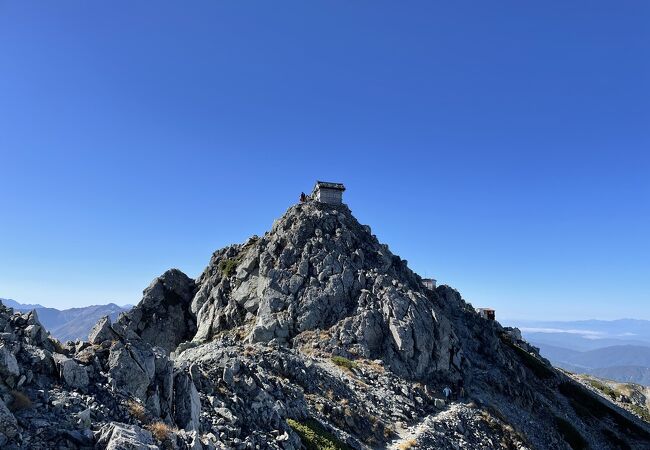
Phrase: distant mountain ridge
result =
(69, 324)
(19, 306)
(625, 374)
(618, 350)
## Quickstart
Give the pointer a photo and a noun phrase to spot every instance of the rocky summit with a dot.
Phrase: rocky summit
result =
(312, 336)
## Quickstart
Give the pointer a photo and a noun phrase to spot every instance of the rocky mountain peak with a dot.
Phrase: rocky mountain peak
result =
(312, 336)
(320, 269)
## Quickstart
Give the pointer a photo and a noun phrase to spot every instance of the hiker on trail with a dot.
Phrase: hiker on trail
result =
(461, 389)
(303, 197)
(446, 392)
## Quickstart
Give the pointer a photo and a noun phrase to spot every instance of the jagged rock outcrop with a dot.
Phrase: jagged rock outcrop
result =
(163, 318)
(318, 268)
(84, 395)
(69, 324)
(102, 331)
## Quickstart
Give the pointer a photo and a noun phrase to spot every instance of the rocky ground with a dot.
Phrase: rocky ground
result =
(633, 397)
(312, 336)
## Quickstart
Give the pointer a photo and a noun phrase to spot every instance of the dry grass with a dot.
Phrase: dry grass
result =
(136, 410)
(372, 365)
(58, 346)
(19, 401)
(411, 443)
(389, 432)
(85, 357)
(159, 430)
(222, 390)
(241, 333)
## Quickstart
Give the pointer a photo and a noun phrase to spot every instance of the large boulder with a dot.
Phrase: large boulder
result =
(146, 373)
(8, 364)
(163, 317)
(38, 360)
(73, 374)
(102, 331)
(186, 401)
(120, 436)
(160, 395)
(131, 367)
(28, 329)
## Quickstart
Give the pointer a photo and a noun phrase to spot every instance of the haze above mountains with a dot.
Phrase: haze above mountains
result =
(618, 350)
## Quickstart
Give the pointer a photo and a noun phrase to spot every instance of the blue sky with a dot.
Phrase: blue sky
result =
(501, 148)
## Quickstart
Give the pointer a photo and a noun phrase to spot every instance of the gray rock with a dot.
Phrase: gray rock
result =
(8, 424)
(187, 402)
(311, 272)
(131, 368)
(190, 439)
(160, 393)
(34, 332)
(40, 360)
(72, 374)
(120, 436)
(84, 418)
(163, 317)
(8, 364)
(102, 331)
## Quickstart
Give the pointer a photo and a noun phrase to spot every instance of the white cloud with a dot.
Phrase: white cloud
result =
(588, 334)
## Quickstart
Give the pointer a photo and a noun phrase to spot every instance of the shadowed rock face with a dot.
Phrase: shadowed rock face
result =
(163, 317)
(318, 268)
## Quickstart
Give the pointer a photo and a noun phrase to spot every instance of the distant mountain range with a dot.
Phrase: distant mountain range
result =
(69, 324)
(618, 350)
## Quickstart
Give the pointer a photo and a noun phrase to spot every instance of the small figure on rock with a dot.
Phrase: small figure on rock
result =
(303, 197)
(446, 392)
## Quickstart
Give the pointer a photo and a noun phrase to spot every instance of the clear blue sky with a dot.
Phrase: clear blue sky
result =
(501, 147)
